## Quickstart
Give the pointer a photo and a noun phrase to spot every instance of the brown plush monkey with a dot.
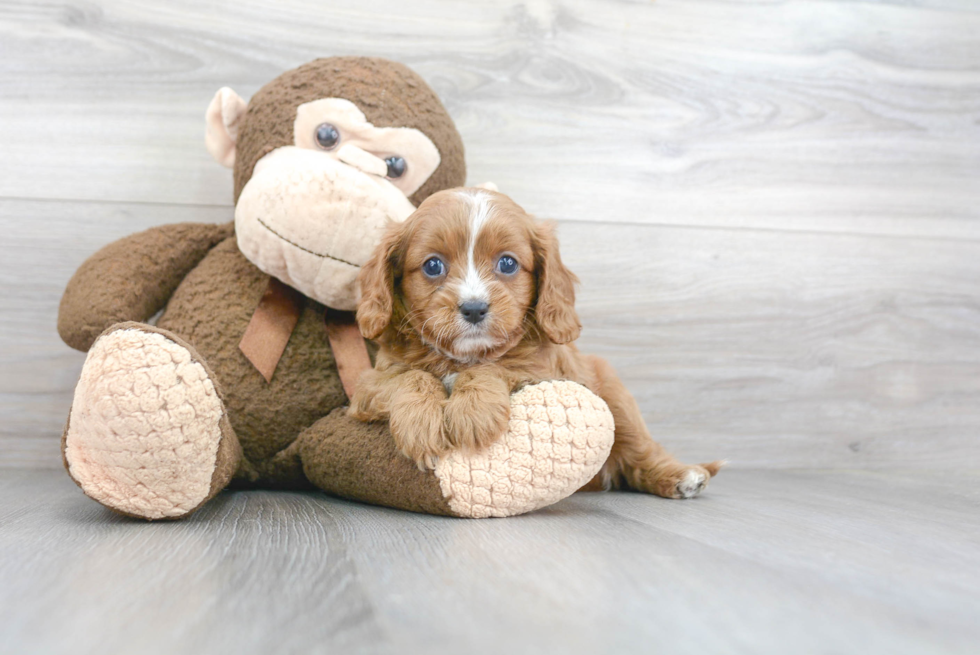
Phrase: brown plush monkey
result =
(238, 381)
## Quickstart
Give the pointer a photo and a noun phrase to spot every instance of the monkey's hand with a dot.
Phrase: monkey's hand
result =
(133, 278)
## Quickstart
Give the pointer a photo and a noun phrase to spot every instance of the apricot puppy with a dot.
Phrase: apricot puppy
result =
(469, 301)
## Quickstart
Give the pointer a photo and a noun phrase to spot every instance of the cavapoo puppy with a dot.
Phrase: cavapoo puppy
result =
(468, 300)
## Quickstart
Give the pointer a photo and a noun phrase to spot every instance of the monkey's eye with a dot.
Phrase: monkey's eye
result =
(396, 166)
(507, 265)
(433, 267)
(327, 136)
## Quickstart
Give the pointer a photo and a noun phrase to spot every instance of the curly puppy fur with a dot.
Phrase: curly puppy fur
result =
(469, 301)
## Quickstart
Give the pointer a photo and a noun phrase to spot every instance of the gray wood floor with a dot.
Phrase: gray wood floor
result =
(775, 212)
(764, 562)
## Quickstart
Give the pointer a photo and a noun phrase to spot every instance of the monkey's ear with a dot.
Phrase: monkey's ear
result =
(376, 283)
(223, 117)
(555, 310)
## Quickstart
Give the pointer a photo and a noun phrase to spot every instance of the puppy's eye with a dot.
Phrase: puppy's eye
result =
(507, 265)
(396, 166)
(433, 267)
(327, 136)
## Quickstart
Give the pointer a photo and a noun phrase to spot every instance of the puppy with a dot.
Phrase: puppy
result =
(468, 300)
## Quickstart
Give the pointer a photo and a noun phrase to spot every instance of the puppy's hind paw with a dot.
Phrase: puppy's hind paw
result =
(677, 480)
(691, 485)
(695, 479)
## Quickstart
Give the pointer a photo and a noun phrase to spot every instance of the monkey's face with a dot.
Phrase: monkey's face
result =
(312, 212)
(325, 157)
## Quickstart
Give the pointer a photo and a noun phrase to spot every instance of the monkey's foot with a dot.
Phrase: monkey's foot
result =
(148, 435)
(559, 436)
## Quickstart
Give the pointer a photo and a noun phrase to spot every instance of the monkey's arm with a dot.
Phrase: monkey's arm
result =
(133, 278)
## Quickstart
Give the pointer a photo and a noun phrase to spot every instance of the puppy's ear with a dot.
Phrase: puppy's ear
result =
(555, 308)
(377, 285)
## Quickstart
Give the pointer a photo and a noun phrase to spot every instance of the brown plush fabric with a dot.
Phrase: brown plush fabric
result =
(229, 457)
(390, 95)
(359, 460)
(209, 291)
(211, 309)
(131, 279)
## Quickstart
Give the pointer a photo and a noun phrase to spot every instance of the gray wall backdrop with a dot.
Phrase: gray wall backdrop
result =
(774, 206)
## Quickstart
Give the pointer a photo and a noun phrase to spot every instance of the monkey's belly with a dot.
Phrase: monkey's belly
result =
(211, 309)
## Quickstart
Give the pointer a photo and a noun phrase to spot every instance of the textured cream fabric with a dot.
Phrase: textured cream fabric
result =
(420, 154)
(312, 221)
(560, 435)
(222, 118)
(144, 427)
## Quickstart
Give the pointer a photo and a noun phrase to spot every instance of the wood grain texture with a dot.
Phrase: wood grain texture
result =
(833, 115)
(773, 205)
(765, 562)
(771, 349)
(787, 349)
(43, 244)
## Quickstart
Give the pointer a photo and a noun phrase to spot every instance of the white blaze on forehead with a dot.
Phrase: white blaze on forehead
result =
(473, 286)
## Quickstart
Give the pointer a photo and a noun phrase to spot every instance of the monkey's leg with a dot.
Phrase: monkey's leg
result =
(148, 434)
(558, 437)
(636, 460)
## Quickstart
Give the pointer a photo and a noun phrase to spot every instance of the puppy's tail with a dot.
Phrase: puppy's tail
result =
(715, 466)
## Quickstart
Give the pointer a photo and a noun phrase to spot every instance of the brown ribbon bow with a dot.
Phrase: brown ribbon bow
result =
(273, 323)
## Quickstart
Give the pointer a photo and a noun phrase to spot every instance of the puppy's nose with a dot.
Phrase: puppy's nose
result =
(474, 311)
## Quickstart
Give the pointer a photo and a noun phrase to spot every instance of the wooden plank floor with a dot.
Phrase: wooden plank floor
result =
(765, 562)
(774, 210)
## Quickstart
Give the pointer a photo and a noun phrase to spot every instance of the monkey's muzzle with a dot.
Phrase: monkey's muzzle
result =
(312, 221)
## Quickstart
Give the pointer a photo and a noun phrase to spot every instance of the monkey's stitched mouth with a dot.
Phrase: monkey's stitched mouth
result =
(304, 249)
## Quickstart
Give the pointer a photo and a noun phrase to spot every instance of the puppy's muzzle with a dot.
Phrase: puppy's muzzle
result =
(474, 311)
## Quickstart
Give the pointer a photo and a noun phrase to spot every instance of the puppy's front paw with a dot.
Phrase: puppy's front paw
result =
(360, 409)
(477, 415)
(418, 433)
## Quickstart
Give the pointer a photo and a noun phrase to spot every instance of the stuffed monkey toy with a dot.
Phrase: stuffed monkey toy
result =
(244, 377)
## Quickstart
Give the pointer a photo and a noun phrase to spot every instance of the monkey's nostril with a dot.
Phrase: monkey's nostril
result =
(474, 311)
